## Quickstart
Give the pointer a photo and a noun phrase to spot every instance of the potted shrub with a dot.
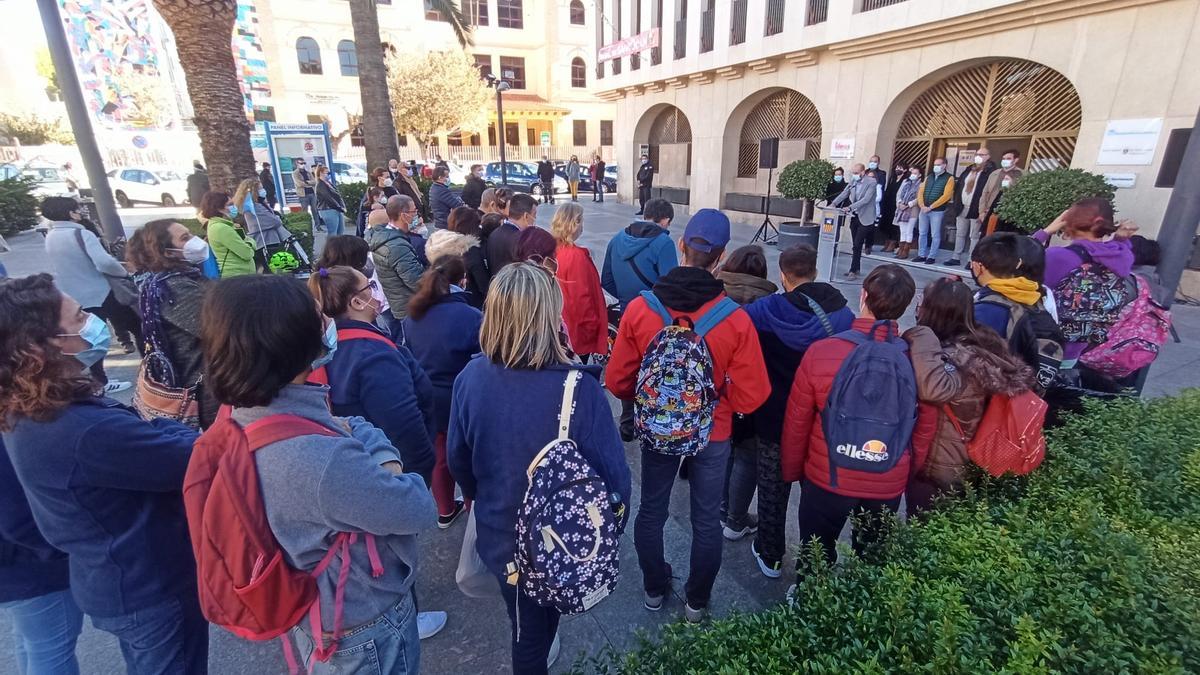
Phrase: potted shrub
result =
(805, 179)
(18, 205)
(1038, 198)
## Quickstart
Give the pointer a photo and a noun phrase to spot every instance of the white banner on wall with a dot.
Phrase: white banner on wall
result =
(841, 148)
(1130, 142)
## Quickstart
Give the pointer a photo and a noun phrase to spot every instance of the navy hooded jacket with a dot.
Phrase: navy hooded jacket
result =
(384, 384)
(786, 327)
(29, 566)
(443, 342)
(644, 245)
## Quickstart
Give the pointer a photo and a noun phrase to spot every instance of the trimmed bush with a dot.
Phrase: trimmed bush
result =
(805, 179)
(1038, 198)
(423, 184)
(18, 206)
(30, 129)
(352, 194)
(1089, 565)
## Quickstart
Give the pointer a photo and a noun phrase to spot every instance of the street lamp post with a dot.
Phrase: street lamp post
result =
(500, 86)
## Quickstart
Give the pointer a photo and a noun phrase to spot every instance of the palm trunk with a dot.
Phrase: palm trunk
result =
(379, 130)
(203, 32)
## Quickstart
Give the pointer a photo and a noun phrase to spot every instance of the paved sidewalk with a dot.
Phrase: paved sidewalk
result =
(476, 639)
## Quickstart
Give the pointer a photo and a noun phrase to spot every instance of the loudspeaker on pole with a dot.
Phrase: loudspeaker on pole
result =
(768, 153)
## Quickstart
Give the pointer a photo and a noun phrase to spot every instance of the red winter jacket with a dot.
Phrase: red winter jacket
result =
(803, 452)
(584, 311)
(738, 369)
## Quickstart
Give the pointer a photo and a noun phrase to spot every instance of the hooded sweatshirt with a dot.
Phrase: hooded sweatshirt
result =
(786, 327)
(644, 245)
(738, 369)
(745, 288)
(1116, 255)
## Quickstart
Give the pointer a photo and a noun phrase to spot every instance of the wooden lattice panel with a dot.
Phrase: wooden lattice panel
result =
(1029, 98)
(912, 153)
(785, 115)
(952, 107)
(671, 126)
(1051, 152)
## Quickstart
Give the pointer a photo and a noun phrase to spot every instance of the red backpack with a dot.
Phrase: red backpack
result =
(245, 584)
(1009, 437)
(319, 376)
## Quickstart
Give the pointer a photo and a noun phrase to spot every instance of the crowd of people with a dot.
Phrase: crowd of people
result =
(377, 401)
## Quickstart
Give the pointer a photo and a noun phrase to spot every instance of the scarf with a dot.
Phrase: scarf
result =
(1018, 289)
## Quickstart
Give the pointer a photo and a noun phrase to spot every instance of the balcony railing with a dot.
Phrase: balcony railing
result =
(774, 23)
(737, 22)
(818, 12)
(870, 5)
(708, 22)
(680, 38)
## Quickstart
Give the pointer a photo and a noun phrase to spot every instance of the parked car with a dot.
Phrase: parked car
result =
(50, 181)
(148, 185)
(522, 176)
(609, 183)
(345, 172)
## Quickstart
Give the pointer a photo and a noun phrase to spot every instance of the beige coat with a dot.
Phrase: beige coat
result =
(991, 191)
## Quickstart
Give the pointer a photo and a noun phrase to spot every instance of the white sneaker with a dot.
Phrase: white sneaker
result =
(555, 648)
(735, 531)
(790, 596)
(114, 386)
(769, 570)
(430, 623)
(693, 615)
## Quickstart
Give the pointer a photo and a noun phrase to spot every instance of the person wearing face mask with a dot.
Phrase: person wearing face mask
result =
(267, 179)
(933, 196)
(888, 224)
(306, 190)
(381, 179)
(395, 257)
(441, 198)
(406, 185)
(906, 211)
(1003, 178)
(860, 198)
(262, 344)
(372, 200)
(103, 485)
(261, 225)
(837, 183)
(472, 192)
(83, 267)
(171, 297)
(645, 183)
(967, 198)
(394, 170)
(233, 250)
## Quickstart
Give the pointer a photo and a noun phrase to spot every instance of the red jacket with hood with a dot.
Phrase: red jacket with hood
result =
(803, 452)
(738, 370)
(584, 310)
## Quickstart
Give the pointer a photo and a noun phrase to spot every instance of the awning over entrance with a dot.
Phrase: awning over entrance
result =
(531, 105)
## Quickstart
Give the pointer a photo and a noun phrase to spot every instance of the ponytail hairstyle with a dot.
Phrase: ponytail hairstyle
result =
(333, 288)
(435, 284)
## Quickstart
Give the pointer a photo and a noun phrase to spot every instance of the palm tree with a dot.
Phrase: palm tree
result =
(378, 127)
(203, 32)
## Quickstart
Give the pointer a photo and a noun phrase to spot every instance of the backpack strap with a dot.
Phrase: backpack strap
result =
(655, 304)
(954, 422)
(568, 404)
(826, 324)
(1080, 251)
(276, 428)
(345, 334)
(1015, 310)
(716, 315)
(640, 275)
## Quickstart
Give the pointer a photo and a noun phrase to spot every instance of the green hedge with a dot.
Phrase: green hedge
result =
(18, 206)
(352, 195)
(1091, 565)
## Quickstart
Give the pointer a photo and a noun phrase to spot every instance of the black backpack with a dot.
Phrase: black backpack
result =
(1033, 335)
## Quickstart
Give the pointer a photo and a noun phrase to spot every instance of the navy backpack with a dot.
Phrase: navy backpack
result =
(869, 416)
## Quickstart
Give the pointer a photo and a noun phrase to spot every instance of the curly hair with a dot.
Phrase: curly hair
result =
(36, 379)
(147, 248)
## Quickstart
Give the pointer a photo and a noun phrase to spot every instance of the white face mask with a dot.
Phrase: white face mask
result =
(938, 168)
(195, 250)
(1006, 164)
(387, 182)
(979, 159)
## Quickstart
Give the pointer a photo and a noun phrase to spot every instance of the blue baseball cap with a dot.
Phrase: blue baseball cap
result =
(707, 229)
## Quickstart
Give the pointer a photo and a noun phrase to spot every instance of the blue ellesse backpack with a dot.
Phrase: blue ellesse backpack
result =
(676, 396)
(568, 553)
(869, 416)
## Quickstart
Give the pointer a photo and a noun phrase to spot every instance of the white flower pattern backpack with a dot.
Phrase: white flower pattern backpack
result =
(568, 551)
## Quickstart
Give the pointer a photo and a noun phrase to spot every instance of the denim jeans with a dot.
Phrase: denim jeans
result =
(389, 644)
(308, 203)
(598, 191)
(741, 477)
(706, 480)
(929, 225)
(334, 221)
(536, 629)
(168, 638)
(45, 629)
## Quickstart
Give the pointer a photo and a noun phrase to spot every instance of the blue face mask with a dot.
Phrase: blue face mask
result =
(838, 179)
(262, 192)
(330, 341)
(96, 334)
(233, 211)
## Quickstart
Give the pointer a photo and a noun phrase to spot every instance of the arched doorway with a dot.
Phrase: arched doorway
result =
(787, 115)
(1003, 103)
(666, 135)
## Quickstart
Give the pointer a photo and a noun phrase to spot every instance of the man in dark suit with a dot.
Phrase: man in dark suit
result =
(645, 181)
(268, 182)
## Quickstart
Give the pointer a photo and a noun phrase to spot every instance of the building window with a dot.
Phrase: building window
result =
(264, 113)
(657, 19)
(708, 22)
(616, 34)
(775, 12)
(578, 14)
(606, 136)
(681, 8)
(348, 58)
(484, 63)
(512, 134)
(635, 60)
(737, 27)
(512, 68)
(510, 14)
(578, 73)
(579, 132)
(476, 12)
(308, 55)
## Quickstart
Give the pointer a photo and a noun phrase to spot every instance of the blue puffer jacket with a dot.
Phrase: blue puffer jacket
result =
(645, 245)
(105, 487)
(385, 385)
(442, 200)
(786, 327)
(29, 566)
(443, 341)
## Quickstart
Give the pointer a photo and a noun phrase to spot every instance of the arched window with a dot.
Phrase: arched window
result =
(578, 73)
(577, 13)
(308, 55)
(348, 58)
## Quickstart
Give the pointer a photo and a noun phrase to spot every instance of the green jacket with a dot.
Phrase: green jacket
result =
(234, 251)
(397, 265)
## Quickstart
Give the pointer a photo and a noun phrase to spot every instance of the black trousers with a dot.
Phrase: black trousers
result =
(643, 197)
(860, 236)
(823, 514)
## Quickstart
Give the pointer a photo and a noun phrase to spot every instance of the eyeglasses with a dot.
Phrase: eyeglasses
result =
(371, 284)
(546, 263)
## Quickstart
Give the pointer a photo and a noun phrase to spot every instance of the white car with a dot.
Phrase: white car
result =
(345, 172)
(50, 181)
(149, 185)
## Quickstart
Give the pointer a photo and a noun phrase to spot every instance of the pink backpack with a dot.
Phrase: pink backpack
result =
(1133, 341)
